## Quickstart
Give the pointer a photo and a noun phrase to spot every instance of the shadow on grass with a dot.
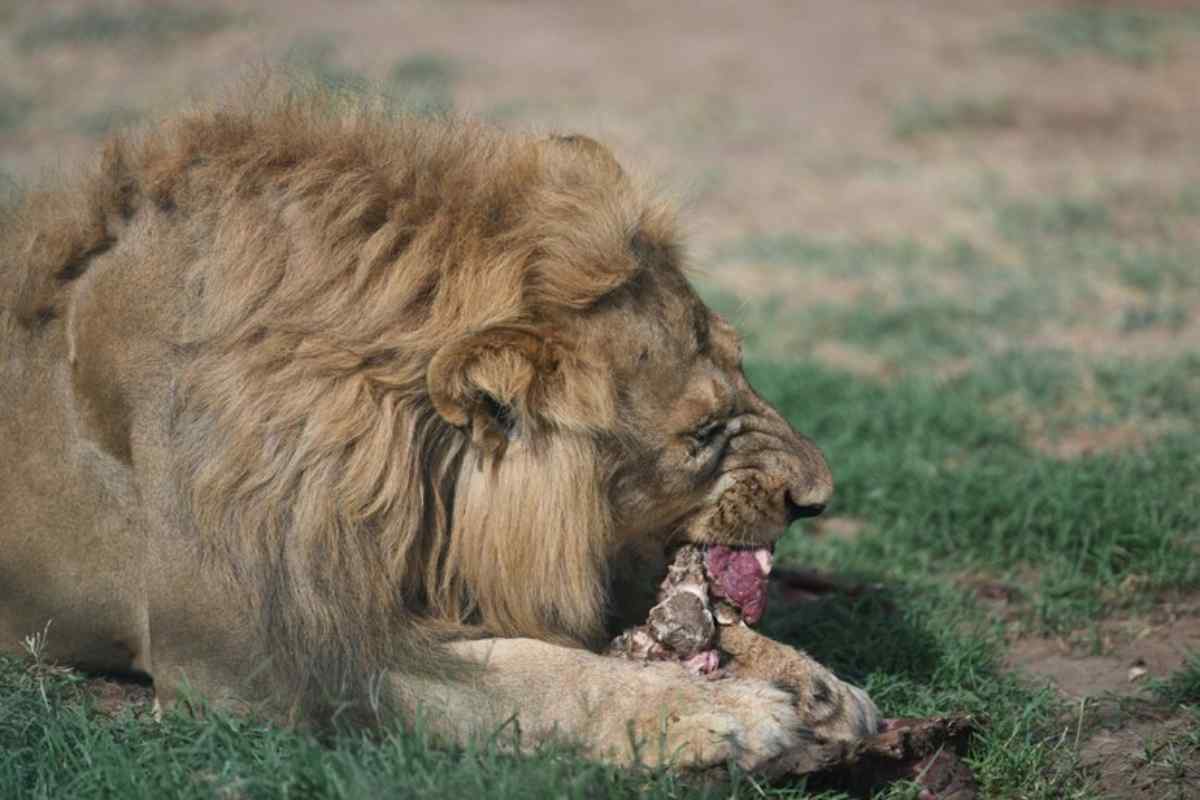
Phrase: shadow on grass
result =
(857, 636)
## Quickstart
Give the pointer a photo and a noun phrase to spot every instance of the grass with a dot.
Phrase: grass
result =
(956, 485)
(944, 487)
(15, 108)
(420, 84)
(838, 257)
(156, 25)
(314, 58)
(942, 473)
(100, 123)
(922, 116)
(1182, 688)
(1045, 265)
(1129, 35)
(54, 743)
(949, 463)
(424, 83)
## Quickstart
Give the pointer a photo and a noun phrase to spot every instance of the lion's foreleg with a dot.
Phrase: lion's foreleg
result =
(617, 710)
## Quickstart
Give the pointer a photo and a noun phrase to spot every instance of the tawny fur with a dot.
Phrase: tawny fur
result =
(347, 248)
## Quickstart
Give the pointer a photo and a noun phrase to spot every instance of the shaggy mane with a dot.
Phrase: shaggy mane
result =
(332, 250)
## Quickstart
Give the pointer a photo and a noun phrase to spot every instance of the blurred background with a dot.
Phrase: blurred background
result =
(889, 147)
(962, 239)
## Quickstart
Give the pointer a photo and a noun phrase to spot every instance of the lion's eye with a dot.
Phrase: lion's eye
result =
(708, 433)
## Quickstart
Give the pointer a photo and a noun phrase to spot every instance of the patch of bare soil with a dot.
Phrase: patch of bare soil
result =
(1144, 758)
(1151, 342)
(847, 528)
(1130, 651)
(1133, 747)
(1090, 441)
(799, 288)
(855, 360)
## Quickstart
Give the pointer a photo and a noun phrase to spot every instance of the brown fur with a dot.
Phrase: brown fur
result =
(347, 248)
(390, 382)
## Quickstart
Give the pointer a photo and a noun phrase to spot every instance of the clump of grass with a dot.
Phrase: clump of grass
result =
(10, 191)
(100, 123)
(913, 332)
(15, 108)
(156, 24)
(1023, 221)
(1130, 35)
(1168, 388)
(1188, 201)
(424, 68)
(314, 58)
(1164, 315)
(424, 83)
(923, 116)
(1160, 268)
(837, 257)
(1183, 687)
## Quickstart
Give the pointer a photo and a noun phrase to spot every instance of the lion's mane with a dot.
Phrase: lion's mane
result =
(354, 279)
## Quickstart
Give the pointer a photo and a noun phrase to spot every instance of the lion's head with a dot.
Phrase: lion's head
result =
(436, 380)
(616, 421)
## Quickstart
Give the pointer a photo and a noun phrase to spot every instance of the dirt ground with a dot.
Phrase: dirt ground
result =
(1104, 673)
(763, 117)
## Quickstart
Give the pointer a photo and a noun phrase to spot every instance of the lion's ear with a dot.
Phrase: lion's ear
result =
(590, 147)
(485, 382)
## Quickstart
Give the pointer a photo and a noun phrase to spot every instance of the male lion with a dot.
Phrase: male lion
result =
(303, 402)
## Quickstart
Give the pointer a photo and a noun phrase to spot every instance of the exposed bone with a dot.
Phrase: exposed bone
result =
(683, 626)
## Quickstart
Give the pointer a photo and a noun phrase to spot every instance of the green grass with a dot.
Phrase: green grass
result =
(1188, 200)
(424, 83)
(1024, 220)
(1048, 264)
(854, 258)
(953, 484)
(1182, 688)
(53, 744)
(314, 59)
(419, 84)
(945, 469)
(922, 116)
(944, 487)
(15, 108)
(158, 24)
(100, 123)
(1129, 35)
(11, 191)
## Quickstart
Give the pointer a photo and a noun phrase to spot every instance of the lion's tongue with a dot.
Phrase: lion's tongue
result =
(740, 576)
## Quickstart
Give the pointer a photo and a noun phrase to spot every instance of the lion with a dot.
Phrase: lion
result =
(318, 409)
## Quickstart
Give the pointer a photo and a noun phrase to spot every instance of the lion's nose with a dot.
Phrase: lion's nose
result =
(811, 486)
(804, 508)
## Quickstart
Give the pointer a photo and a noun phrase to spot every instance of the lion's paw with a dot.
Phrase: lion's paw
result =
(865, 717)
(832, 709)
(713, 723)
